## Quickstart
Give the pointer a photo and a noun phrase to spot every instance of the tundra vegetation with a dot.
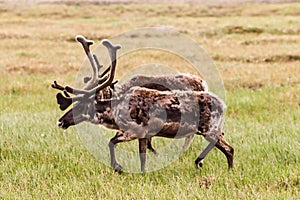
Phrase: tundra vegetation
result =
(256, 49)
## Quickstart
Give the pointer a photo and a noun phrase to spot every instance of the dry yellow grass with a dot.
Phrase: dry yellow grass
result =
(40, 39)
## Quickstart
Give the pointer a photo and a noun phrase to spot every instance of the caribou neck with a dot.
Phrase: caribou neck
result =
(104, 114)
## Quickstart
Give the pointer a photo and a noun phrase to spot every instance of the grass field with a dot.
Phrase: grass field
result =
(257, 52)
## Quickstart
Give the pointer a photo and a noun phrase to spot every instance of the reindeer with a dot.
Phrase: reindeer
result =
(162, 83)
(144, 112)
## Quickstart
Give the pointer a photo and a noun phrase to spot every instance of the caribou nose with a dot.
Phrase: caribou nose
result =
(60, 124)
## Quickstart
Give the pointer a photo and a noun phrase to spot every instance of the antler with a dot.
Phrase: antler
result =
(92, 85)
(112, 49)
(94, 63)
(65, 102)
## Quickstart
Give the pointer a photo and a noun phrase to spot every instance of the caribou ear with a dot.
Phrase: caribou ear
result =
(112, 86)
(63, 102)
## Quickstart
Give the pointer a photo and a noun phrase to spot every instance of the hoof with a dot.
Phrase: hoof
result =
(198, 164)
(118, 168)
(155, 153)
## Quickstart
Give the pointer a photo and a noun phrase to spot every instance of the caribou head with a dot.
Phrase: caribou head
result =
(83, 100)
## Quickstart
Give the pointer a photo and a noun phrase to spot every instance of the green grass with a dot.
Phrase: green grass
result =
(40, 161)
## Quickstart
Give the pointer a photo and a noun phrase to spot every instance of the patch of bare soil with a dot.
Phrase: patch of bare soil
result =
(264, 41)
(242, 30)
(206, 182)
(12, 36)
(255, 59)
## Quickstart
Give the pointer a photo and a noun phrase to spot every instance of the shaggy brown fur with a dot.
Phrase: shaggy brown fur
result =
(183, 82)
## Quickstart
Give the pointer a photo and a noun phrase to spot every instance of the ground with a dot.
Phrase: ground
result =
(255, 48)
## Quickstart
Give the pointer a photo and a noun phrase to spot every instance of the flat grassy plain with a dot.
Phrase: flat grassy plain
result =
(256, 50)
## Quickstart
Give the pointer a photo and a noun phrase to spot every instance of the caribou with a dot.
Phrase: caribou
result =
(144, 107)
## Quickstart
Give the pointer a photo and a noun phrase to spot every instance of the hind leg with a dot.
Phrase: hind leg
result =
(187, 142)
(212, 142)
(199, 160)
(150, 147)
(212, 137)
(223, 146)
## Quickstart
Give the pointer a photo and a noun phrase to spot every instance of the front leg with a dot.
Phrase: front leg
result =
(142, 151)
(120, 136)
(116, 166)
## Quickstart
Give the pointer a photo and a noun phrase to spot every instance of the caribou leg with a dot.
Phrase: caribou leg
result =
(187, 142)
(212, 137)
(223, 146)
(150, 147)
(142, 151)
(120, 136)
(199, 160)
(117, 167)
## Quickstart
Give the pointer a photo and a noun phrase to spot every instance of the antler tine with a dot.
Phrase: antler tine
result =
(55, 85)
(65, 101)
(99, 66)
(104, 72)
(86, 46)
(66, 94)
